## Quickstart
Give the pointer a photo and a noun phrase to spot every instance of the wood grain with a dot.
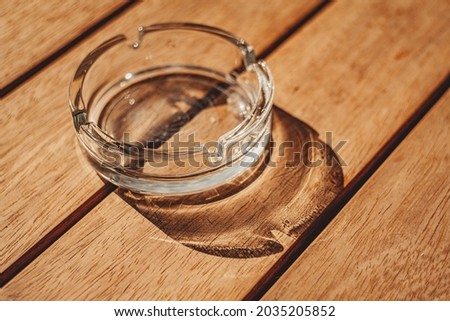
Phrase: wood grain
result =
(392, 240)
(43, 176)
(359, 70)
(33, 30)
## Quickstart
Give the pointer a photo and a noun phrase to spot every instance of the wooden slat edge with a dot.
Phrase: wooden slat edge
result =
(54, 234)
(296, 27)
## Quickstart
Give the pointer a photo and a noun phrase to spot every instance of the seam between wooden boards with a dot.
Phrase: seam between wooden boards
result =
(72, 219)
(296, 27)
(54, 234)
(318, 225)
(41, 65)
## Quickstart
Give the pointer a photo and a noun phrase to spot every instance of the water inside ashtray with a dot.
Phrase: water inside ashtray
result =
(150, 107)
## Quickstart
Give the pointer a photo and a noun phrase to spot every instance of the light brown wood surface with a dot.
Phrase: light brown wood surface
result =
(43, 176)
(33, 30)
(351, 71)
(392, 240)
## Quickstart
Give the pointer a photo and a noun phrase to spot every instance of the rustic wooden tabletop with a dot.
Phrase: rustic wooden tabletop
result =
(375, 74)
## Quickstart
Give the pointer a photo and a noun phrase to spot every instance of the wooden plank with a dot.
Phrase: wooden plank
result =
(37, 194)
(34, 30)
(369, 73)
(392, 240)
(360, 68)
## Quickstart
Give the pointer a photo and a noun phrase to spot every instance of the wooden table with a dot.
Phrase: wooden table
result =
(375, 74)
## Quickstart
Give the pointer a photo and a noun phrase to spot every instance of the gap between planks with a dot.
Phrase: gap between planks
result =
(296, 27)
(311, 233)
(53, 235)
(13, 85)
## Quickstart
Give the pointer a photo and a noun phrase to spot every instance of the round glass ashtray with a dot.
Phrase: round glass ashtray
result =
(181, 109)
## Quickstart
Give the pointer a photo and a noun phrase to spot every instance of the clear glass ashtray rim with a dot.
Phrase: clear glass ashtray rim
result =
(102, 138)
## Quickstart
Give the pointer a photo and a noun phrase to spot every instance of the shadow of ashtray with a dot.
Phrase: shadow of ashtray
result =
(292, 184)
